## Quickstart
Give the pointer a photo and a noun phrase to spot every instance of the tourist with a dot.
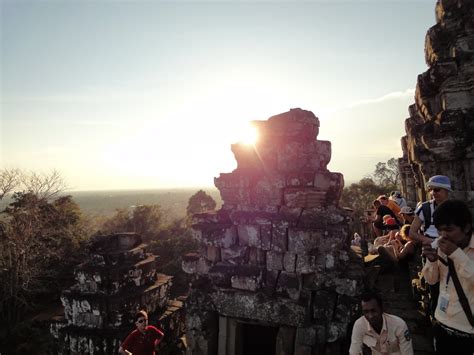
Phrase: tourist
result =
(399, 247)
(439, 187)
(380, 211)
(381, 332)
(143, 340)
(397, 197)
(423, 229)
(408, 215)
(390, 204)
(452, 265)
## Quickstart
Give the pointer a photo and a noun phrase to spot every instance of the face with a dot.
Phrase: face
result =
(373, 313)
(455, 234)
(439, 195)
(141, 323)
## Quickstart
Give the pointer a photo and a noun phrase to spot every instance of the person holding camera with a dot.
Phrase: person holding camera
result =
(452, 265)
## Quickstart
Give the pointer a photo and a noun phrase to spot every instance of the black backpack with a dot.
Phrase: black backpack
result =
(426, 210)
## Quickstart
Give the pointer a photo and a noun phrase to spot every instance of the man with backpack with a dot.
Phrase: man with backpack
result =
(423, 229)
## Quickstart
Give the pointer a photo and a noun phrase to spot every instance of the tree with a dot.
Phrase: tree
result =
(146, 220)
(40, 242)
(200, 202)
(9, 181)
(42, 185)
(387, 174)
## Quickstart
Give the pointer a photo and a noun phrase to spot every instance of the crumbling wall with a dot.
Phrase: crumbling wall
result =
(440, 129)
(277, 253)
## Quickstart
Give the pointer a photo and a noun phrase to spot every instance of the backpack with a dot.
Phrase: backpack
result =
(426, 210)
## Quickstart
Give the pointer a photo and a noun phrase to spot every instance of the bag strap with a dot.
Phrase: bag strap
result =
(461, 295)
(426, 209)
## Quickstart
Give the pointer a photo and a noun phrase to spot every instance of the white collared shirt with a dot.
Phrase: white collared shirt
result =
(454, 316)
(394, 337)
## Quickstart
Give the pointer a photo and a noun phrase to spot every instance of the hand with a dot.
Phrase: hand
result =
(446, 246)
(430, 253)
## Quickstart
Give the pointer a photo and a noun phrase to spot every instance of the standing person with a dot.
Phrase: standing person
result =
(383, 333)
(422, 228)
(452, 265)
(143, 340)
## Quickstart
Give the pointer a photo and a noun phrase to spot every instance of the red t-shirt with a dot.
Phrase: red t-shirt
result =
(139, 343)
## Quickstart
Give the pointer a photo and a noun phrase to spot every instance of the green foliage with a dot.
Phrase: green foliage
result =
(146, 220)
(200, 202)
(40, 242)
(387, 174)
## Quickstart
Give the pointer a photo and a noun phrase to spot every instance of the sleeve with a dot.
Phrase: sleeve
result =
(419, 213)
(464, 265)
(358, 332)
(404, 340)
(129, 341)
(431, 272)
(157, 334)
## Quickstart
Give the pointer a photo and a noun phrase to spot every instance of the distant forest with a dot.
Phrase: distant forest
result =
(105, 203)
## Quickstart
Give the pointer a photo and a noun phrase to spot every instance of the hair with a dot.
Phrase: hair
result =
(453, 212)
(405, 232)
(141, 314)
(369, 295)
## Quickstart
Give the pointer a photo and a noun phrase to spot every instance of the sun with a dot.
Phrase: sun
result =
(248, 134)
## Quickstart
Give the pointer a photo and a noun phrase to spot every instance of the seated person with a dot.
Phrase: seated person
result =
(408, 215)
(399, 246)
(377, 219)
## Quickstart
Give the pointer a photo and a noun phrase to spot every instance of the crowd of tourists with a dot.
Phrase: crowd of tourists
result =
(441, 230)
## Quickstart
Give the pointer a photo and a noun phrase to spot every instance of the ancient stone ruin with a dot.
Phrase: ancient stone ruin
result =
(440, 129)
(119, 279)
(275, 273)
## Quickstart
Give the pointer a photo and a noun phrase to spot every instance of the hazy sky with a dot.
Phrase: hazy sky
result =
(150, 94)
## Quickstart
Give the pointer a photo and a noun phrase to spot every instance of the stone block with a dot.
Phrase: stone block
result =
(266, 237)
(310, 336)
(300, 179)
(306, 264)
(289, 262)
(249, 283)
(274, 260)
(304, 241)
(218, 235)
(249, 235)
(257, 257)
(280, 237)
(308, 197)
(289, 285)
(285, 341)
(213, 253)
(235, 255)
(336, 331)
(324, 302)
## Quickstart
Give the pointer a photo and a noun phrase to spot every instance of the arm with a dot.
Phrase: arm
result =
(356, 338)
(415, 231)
(404, 341)
(158, 335)
(122, 351)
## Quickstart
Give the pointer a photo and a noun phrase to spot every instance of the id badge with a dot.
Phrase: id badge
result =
(443, 302)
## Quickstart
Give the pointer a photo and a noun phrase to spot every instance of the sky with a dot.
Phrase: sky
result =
(151, 94)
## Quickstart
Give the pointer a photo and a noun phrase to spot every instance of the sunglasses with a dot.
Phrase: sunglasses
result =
(142, 321)
(434, 190)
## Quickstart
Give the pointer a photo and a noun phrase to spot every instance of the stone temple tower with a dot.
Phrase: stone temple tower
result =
(440, 129)
(274, 273)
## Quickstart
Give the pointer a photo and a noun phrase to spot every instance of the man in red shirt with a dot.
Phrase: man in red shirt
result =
(144, 339)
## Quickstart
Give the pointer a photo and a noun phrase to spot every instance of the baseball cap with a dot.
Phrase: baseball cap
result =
(406, 210)
(440, 181)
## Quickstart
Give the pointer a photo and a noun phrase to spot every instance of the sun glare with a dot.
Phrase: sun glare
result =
(248, 134)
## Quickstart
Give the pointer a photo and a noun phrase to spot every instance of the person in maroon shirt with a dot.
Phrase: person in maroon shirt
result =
(144, 339)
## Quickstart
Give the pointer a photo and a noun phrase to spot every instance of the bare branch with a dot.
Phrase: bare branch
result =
(10, 179)
(44, 185)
